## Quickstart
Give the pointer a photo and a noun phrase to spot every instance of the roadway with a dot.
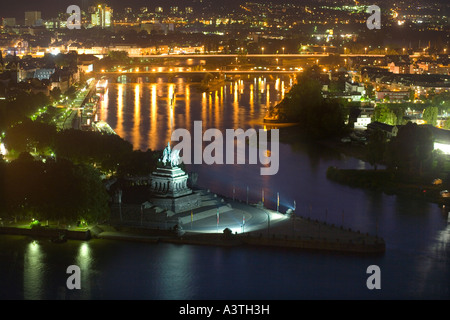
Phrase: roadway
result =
(72, 107)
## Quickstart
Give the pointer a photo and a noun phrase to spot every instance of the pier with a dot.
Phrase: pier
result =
(247, 224)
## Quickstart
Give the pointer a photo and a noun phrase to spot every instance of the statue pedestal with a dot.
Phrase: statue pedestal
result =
(170, 191)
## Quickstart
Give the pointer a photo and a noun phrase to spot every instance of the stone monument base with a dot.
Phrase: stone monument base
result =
(178, 204)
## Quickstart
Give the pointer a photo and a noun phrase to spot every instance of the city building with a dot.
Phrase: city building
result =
(8, 22)
(102, 16)
(32, 18)
(392, 95)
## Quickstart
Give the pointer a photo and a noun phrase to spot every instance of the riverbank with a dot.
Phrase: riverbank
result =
(293, 233)
(391, 183)
(58, 234)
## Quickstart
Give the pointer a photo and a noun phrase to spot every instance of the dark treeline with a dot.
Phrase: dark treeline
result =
(20, 106)
(317, 117)
(109, 153)
(54, 190)
(63, 180)
(410, 152)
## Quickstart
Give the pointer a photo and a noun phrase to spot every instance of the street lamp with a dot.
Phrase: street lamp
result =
(283, 50)
(262, 50)
(365, 50)
(345, 50)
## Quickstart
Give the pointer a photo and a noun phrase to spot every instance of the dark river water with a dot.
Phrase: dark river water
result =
(416, 264)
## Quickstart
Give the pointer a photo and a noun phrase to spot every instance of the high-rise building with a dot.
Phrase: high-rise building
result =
(189, 10)
(102, 16)
(159, 9)
(32, 17)
(173, 10)
(128, 10)
(9, 22)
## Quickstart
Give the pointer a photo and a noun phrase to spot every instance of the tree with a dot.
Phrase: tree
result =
(376, 146)
(305, 104)
(411, 149)
(30, 136)
(430, 115)
(370, 92)
(385, 115)
(120, 57)
(447, 124)
(55, 94)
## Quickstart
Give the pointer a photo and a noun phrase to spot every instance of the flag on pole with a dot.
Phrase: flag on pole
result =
(217, 216)
(243, 219)
(192, 216)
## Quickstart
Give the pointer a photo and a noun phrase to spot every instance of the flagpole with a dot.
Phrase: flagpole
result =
(247, 194)
(278, 201)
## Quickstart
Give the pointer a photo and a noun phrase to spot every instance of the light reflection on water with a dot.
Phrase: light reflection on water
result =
(415, 265)
(33, 272)
(147, 119)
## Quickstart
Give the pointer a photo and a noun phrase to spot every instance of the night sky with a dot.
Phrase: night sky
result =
(50, 8)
